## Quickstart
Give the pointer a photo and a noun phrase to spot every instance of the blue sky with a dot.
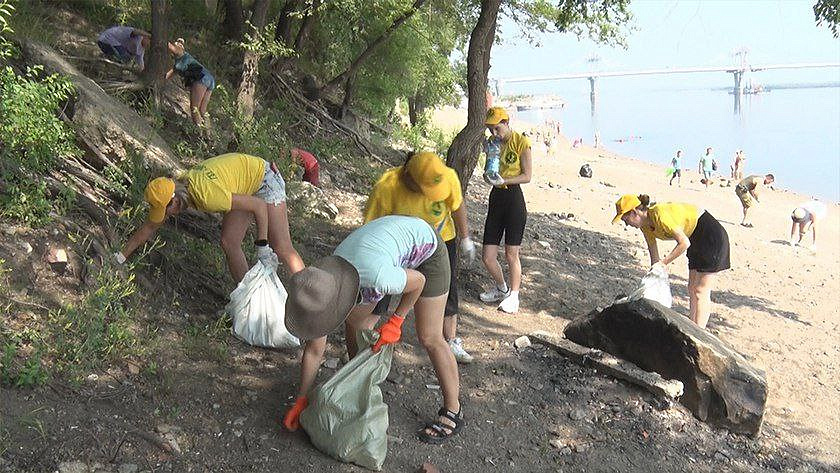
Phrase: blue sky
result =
(675, 33)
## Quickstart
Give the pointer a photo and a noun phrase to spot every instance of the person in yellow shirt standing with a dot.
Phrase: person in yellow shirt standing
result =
(506, 212)
(697, 233)
(240, 186)
(425, 187)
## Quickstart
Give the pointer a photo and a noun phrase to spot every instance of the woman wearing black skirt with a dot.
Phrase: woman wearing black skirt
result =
(697, 233)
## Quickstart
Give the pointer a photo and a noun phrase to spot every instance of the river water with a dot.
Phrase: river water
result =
(793, 133)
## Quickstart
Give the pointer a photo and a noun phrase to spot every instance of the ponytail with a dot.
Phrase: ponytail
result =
(645, 201)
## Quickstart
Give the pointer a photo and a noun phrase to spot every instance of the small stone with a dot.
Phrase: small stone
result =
(72, 467)
(240, 420)
(127, 468)
(565, 451)
(92, 377)
(57, 258)
(557, 443)
(26, 247)
(721, 457)
(615, 409)
(544, 244)
(522, 342)
(581, 447)
(216, 406)
(434, 387)
(237, 433)
(331, 363)
(577, 414)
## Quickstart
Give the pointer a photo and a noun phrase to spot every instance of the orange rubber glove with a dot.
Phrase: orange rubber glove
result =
(292, 419)
(389, 332)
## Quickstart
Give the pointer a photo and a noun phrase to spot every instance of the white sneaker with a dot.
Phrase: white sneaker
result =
(510, 304)
(493, 295)
(461, 356)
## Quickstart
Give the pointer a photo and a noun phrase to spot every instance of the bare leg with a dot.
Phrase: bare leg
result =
(450, 327)
(514, 266)
(310, 361)
(205, 99)
(489, 254)
(234, 225)
(700, 294)
(281, 241)
(360, 318)
(196, 95)
(428, 320)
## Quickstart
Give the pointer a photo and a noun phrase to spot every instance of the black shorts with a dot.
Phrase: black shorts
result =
(709, 250)
(452, 300)
(506, 215)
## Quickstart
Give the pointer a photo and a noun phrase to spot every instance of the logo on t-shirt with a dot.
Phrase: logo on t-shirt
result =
(510, 157)
(437, 208)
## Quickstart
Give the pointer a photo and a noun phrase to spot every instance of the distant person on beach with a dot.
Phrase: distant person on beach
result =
(747, 192)
(697, 233)
(506, 211)
(197, 79)
(676, 165)
(740, 159)
(806, 216)
(124, 43)
(704, 167)
(426, 188)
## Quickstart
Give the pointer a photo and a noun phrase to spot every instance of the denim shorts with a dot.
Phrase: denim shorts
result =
(207, 80)
(273, 188)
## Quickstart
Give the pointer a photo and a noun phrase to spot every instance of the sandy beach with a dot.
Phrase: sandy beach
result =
(778, 305)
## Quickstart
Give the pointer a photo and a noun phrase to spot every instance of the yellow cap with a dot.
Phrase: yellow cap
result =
(158, 194)
(625, 204)
(495, 115)
(427, 170)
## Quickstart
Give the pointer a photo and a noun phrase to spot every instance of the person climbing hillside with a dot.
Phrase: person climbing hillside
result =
(307, 162)
(506, 212)
(747, 192)
(242, 187)
(124, 43)
(425, 187)
(395, 255)
(196, 77)
(697, 233)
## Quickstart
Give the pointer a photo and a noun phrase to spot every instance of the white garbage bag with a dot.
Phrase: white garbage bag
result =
(654, 286)
(258, 309)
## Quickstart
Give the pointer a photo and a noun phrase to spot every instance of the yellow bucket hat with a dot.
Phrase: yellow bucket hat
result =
(427, 170)
(625, 204)
(495, 115)
(159, 192)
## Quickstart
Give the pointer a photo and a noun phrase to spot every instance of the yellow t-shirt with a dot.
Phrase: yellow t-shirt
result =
(668, 216)
(390, 197)
(510, 162)
(212, 182)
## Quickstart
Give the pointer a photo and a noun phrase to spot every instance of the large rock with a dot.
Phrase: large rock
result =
(304, 199)
(110, 128)
(721, 387)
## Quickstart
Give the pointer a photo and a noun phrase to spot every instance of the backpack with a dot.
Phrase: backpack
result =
(714, 165)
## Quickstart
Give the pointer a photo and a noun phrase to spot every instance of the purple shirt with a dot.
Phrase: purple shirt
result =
(121, 36)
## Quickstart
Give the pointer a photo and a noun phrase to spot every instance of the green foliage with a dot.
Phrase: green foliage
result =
(97, 330)
(828, 12)
(424, 136)
(603, 21)
(32, 139)
(262, 42)
(6, 47)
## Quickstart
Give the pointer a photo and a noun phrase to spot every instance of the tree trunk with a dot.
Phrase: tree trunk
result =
(306, 25)
(157, 60)
(250, 66)
(463, 152)
(371, 47)
(416, 106)
(283, 33)
(349, 90)
(234, 21)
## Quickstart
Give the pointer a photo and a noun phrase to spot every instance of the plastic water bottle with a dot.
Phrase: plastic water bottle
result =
(493, 150)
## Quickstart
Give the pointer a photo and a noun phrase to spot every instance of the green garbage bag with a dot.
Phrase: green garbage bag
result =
(347, 418)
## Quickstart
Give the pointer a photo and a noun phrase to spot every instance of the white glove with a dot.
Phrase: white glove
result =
(496, 180)
(119, 258)
(267, 256)
(468, 248)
